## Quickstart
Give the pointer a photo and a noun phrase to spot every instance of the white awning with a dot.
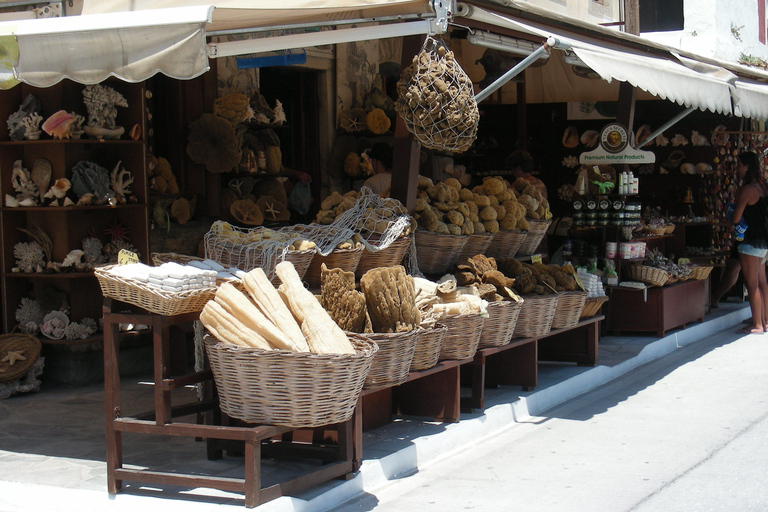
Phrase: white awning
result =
(132, 46)
(705, 87)
(752, 99)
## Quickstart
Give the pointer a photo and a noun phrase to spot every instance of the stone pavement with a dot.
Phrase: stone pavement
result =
(52, 443)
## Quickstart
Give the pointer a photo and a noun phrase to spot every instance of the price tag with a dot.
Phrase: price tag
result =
(536, 258)
(125, 257)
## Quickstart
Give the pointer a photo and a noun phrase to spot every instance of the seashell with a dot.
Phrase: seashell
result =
(28, 202)
(135, 132)
(10, 201)
(703, 168)
(679, 140)
(642, 133)
(85, 199)
(68, 202)
(59, 189)
(41, 175)
(661, 140)
(687, 168)
(589, 138)
(698, 140)
(59, 125)
(54, 324)
(570, 137)
(718, 138)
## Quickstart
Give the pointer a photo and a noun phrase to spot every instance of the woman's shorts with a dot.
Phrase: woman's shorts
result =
(753, 251)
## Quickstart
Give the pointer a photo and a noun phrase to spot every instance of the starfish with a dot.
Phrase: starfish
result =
(270, 208)
(12, 357)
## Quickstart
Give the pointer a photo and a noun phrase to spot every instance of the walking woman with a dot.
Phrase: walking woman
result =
(752, 206)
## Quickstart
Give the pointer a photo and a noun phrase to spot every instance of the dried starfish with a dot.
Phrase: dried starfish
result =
(13, 356)
(270, 208)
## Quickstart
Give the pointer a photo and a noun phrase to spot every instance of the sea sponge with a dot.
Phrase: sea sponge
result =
(421, 205)
(463, 209)
(468, 228)
(455, 217)
(520, 184)
(523, 225)
(493, 200)
(377, 121)
(454, 183)
(479, 227)
(442, 228)
(501, 212)
(465, 194)
(493, 186)
(481, 201)
(508, 223)
(491, 226)
(454, 229)
(488, 213)
(212, 142)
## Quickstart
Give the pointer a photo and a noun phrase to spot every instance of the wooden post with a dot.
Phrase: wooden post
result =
(632, 17)
(405, 158)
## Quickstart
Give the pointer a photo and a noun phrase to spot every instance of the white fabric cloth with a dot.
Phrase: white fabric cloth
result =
(379, 183)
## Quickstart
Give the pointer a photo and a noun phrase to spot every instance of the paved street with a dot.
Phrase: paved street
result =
(688, 432)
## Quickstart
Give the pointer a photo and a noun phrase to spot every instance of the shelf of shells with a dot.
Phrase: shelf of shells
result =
(73, 183)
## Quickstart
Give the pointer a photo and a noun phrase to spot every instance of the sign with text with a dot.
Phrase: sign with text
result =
(614, 148)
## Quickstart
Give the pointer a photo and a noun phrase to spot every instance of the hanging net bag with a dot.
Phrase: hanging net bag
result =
(436, 100)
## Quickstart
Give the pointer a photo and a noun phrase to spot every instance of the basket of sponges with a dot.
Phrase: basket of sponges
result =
(279, 362)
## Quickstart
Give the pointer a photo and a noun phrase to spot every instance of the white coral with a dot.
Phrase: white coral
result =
(90, 324)
(570, 162)
(22, 183)
(121, 181)
(31, 124)
(29, 312)
(102, 103)
(29, 255)
(76, 331)
(279, 113)
(92, 247)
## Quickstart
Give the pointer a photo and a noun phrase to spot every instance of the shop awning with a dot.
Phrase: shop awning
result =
(88, 49)
(705, 87)
(255, 14)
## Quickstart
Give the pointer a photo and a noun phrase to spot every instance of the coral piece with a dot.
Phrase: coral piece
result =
(29, 257)
(212, 142)
(76, 331)
(102, 102)
(121, 181)
(279, 113)
(89, 177)
(41, 238)
(390, 299)
(30, 314)
(59, 125)
(18, 125)
(22, 183)
(31, 125)
(92, 248)
(114, 247)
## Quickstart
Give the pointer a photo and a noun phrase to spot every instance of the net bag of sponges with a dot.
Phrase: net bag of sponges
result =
(436, 100)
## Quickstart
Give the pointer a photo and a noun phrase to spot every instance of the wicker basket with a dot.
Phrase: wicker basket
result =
(301, 261)
(149, 298)
(23, 344)
(393, 360)
(388, 257)
(536, 232)
(592, 305)
(506, 244)
(569, 308)
(699, 273)
(294, 389)
(650, 275)
(437, 253)
(462, 336)
(428, 345)
(476, 244)
(158, 258)
(500, 324)
(345, 259)
(536, 316)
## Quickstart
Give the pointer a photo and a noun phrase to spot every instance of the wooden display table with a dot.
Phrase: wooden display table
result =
(338, 460)
(516, 363)
(657, 309)
(434, 392)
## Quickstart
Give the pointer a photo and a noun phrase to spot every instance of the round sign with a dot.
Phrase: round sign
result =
(614, 138)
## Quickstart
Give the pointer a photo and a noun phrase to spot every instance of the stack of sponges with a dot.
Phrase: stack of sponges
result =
(168, 277)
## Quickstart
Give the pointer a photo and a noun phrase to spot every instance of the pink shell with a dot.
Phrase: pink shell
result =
(59, 125)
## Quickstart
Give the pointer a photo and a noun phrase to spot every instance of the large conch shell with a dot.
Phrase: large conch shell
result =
(59, 189)
(59, 125)
(589, 138)
(642, 133)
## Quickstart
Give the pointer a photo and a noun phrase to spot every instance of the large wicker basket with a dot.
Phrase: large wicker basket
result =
(393, 360)
(536, 316)
(388, 257)
(150, 298)
(592, 305)
(569, 308)
(428, 345)
(294, 389)
(462, 336)
(536, 232)
(301, 261)
(345, 259)
(21, 344)
(158, 258)
(437, 253)
(506, 243)
(476, 244)
(500, 324)
(650, 275)
(699, 273)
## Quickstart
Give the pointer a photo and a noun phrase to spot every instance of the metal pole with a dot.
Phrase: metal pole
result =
(663, 127)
